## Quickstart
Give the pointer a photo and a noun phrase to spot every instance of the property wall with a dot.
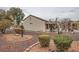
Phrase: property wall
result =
(34, 24)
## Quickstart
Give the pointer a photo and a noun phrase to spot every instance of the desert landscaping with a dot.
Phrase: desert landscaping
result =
(30, 43)
(19, 33)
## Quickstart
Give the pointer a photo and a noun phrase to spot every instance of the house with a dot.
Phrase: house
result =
(34, 23)
(70, 25)
(75, 25)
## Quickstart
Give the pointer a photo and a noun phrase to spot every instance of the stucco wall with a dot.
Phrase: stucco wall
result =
(34, 24)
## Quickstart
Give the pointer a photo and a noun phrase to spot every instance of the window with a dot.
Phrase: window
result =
(47, 26)
(74, 26)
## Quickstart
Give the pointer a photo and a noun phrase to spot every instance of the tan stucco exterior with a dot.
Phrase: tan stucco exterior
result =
(32, 23)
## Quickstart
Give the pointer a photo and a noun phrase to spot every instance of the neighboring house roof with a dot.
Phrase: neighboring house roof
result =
(35, 17)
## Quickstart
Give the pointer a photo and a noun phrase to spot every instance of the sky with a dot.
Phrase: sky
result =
(51, 12)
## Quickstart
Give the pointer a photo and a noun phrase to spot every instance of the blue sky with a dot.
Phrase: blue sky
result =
(51, 12)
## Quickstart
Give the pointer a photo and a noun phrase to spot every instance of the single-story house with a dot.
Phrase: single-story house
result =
(34, 23)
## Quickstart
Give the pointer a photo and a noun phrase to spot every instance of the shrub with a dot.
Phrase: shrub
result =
(63, 42)
(4, 24)
(42, 33)
(19, 30)
(44, 40)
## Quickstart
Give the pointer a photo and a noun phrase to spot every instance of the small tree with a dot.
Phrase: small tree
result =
(4, 24)
(66, 24)
(15, 14)
(52, 25)
(2, 14)
(5, 21)
(69, 25)
(57, 25)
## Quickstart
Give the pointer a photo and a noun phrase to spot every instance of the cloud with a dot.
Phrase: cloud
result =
(51, 12)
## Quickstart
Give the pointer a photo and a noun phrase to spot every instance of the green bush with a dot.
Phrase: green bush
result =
(44, 40)
(63, 42)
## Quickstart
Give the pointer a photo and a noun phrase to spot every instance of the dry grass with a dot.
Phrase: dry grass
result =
(14, 37)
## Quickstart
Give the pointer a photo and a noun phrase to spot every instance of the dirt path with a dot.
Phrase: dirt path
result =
(7, 44)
